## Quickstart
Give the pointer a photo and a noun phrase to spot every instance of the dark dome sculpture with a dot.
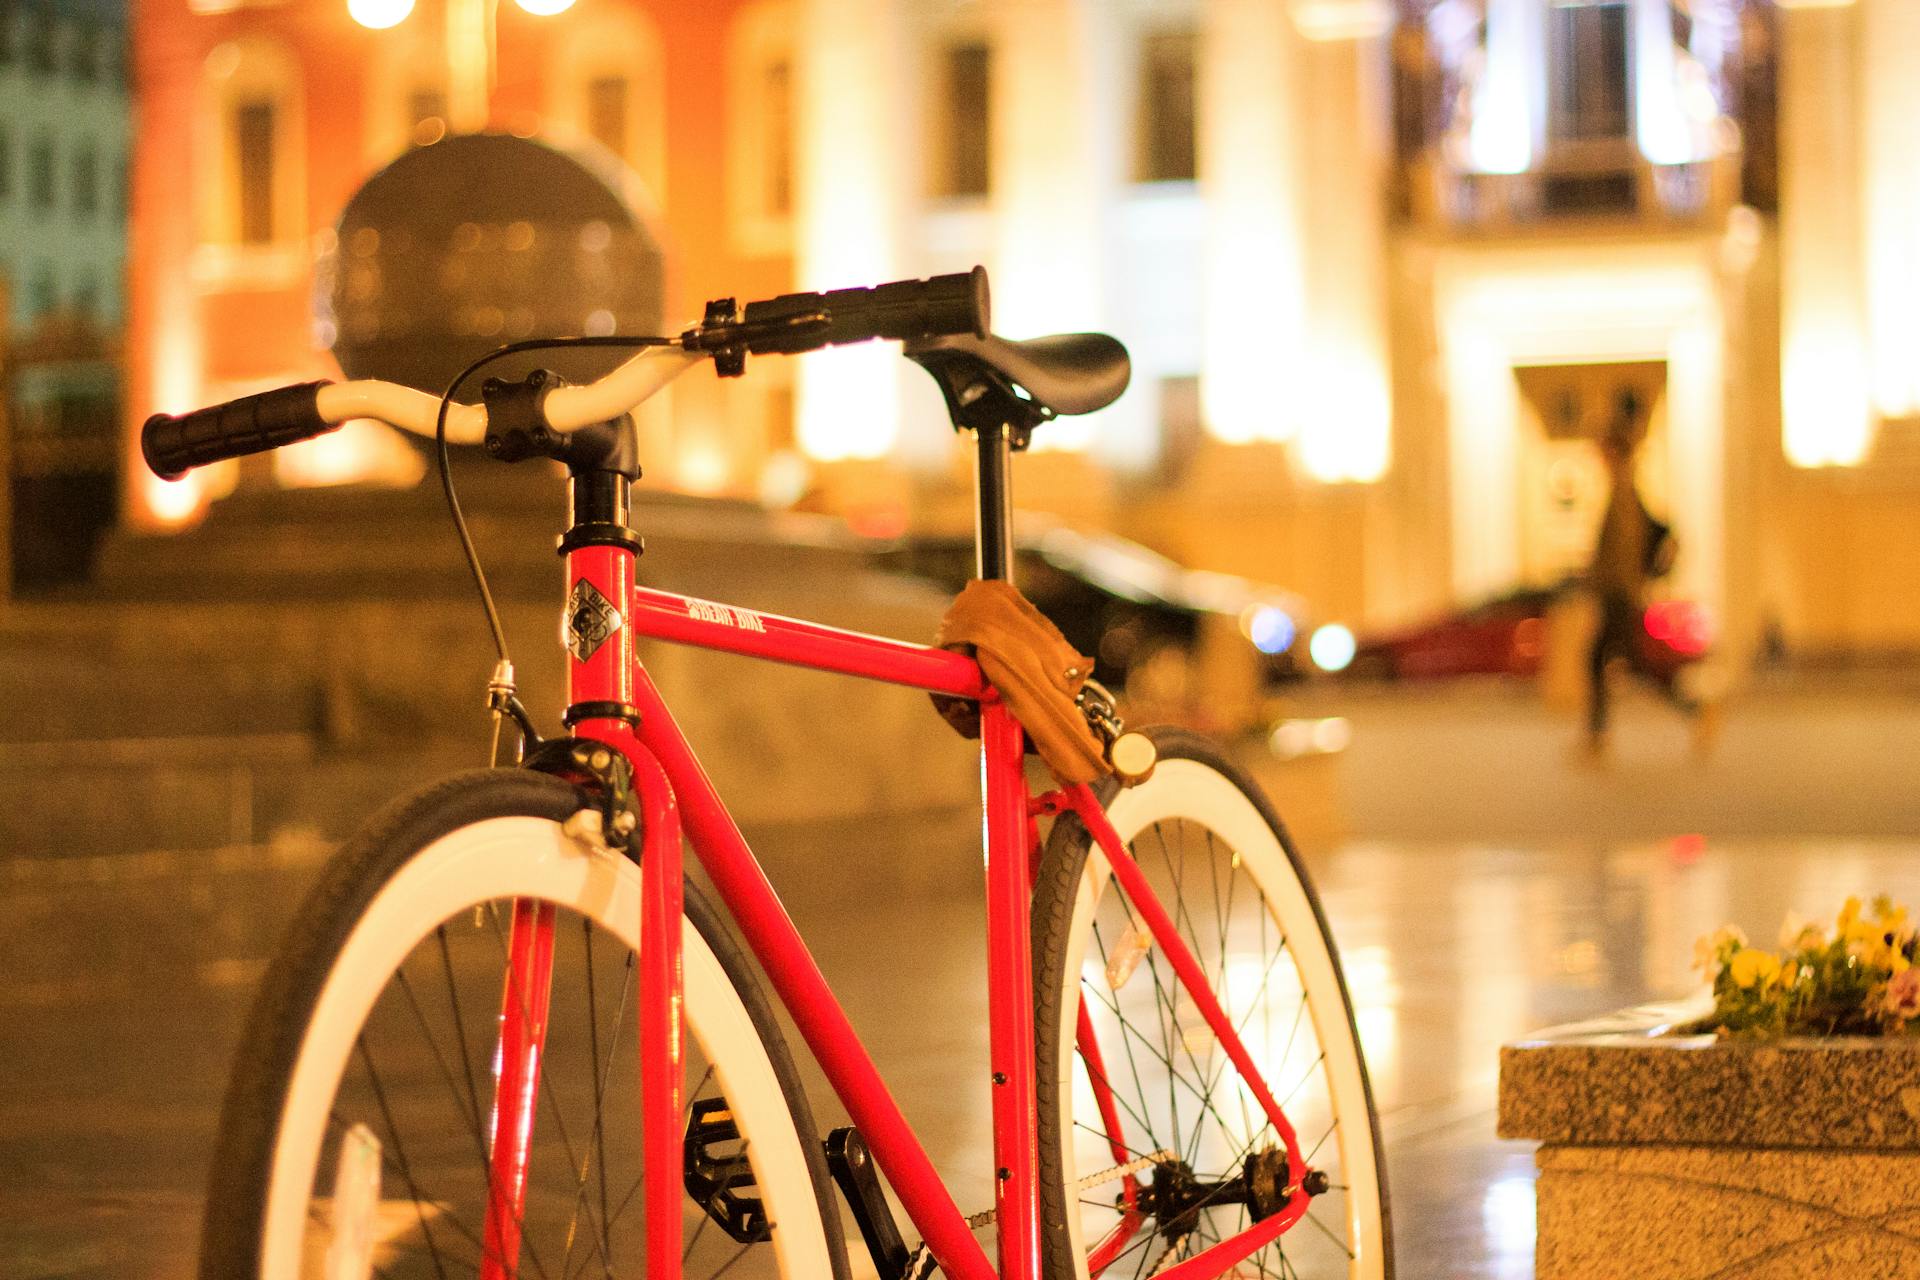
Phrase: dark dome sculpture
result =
(477, 240)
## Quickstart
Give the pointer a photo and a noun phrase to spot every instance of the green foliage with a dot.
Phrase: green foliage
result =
(1857, 980)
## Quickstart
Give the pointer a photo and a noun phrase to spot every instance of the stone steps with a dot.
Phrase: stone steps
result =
(302, 657)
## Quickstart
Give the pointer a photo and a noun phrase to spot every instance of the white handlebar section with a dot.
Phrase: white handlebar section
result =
(567, 408)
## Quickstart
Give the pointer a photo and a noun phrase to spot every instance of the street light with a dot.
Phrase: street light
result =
(378, 15)
(545, 8)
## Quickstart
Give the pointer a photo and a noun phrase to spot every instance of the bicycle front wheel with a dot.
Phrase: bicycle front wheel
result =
(1152, 1148)
(362, 1103)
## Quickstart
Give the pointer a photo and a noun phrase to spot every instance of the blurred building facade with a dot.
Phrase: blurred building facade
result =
(64, 140)
(1386, 269)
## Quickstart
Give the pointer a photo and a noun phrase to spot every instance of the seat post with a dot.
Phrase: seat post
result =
(993, 493)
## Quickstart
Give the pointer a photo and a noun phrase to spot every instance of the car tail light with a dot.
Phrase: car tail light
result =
(1681, 625)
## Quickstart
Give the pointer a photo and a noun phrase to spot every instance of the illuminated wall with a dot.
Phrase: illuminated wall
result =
(852, 147)
(210, 318)
(1502, 306)
(1826, 419)
(1849, 226)
(1292, 157)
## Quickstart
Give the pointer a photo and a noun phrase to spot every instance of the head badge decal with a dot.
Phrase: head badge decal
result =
(591, 618)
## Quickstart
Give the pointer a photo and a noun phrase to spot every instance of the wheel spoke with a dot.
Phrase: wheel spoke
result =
(1189, 1073)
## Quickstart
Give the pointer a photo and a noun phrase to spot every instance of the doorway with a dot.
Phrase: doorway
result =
(1566, 409)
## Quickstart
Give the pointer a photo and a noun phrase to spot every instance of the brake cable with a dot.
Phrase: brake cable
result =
(501, 698)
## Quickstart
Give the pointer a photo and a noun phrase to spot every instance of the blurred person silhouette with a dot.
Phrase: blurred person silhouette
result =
(1633, 548)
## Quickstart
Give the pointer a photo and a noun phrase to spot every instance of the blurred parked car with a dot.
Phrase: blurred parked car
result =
(1508, 636)
(1143, 617)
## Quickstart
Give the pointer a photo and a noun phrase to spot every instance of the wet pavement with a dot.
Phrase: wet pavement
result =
(127, 977)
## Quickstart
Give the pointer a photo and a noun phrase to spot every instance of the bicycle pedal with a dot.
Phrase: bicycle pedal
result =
(715, 1180)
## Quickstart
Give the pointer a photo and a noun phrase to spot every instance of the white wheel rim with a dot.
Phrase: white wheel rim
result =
(1191, 790)
(525, 857)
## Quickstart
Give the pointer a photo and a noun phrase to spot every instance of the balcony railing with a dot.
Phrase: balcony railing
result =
(1605, 181)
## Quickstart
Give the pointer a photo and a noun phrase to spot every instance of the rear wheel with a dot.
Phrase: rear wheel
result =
(366, 1073)
(1203, 1154)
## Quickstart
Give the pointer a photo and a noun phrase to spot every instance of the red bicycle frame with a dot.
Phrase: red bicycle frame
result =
(614, 701)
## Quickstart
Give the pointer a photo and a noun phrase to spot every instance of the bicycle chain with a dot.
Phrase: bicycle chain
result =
(921, 1265)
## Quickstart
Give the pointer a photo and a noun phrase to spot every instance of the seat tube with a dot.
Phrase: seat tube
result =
(993, 492)
(1010, 986)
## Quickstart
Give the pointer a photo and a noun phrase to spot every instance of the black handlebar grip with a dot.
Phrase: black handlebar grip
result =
(173, 446)
(898, 311)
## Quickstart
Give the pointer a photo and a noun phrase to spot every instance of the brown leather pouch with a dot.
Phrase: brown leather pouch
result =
(1026, 658)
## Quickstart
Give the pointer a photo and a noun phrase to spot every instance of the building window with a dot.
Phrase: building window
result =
(1588, 88)
(84, 53)
(965, 124)
(253, 213)
(776, 124)
(43, 296)
(426, 103)
(762, 85)
(253, 155)
(607, 84)
(607, 113)
(86, 181)
(40, 176)
(1180, 427)
(43, 33)
(1165, 114)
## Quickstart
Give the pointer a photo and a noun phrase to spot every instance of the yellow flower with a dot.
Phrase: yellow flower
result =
(1797, 933)
(1752, 966)
(1711, 949)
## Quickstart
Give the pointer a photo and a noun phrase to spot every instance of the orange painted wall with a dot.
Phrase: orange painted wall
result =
(186, 335)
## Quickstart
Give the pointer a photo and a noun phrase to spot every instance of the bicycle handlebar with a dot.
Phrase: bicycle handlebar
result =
(174, 444)
(898, 312)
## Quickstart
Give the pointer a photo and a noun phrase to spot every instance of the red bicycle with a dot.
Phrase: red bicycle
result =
(504, 1038)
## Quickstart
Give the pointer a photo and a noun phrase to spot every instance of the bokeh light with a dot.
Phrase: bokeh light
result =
(378, 15)
(1332, 647)
(1270, 628)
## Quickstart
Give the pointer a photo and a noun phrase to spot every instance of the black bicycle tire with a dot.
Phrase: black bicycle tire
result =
(1055, 887)
(233, 1218)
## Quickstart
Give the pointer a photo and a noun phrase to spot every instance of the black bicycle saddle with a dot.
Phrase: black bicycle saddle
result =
(1067, 373)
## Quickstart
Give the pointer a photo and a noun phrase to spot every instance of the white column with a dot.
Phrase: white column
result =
(1254, 313)
(1823, 371)
(1660, 123)
(1054, 139)
(1696, 459)
(1346, 403)
(469, 64)
(1482, 447)
(1051, 160)
(1890, 172)
(853, 173)
(1509, 100)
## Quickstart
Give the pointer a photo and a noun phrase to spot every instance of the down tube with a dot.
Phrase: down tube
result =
(755, 907)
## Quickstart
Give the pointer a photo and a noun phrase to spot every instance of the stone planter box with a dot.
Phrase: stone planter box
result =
(1670, 1157)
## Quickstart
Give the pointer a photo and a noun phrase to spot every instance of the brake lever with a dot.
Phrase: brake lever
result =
(724, 336)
